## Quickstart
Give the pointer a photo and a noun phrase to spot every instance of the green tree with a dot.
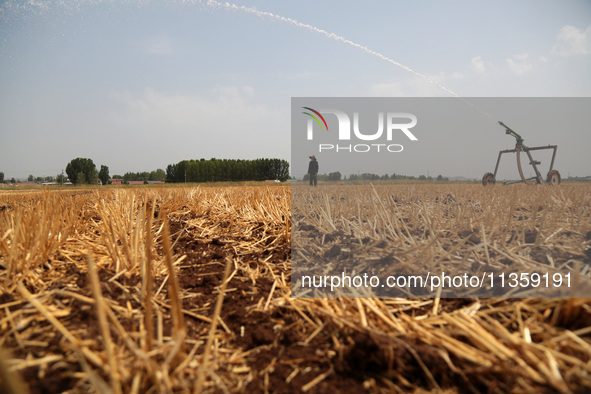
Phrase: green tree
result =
(31, 178)
(1, 177)
(60, 178)
(171, 173)
(82, 166)
(369, 176)
(160, 175)
(104, 174)
(81, 178)
(334, 176)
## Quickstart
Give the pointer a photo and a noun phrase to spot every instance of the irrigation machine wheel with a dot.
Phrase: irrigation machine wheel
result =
(553, 178)
(488, 178)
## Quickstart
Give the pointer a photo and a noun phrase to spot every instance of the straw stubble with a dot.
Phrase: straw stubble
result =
(190, 288)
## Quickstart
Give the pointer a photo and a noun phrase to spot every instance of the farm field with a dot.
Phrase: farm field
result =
(155, 290)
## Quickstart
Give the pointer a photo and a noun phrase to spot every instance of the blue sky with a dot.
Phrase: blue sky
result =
(137, 85)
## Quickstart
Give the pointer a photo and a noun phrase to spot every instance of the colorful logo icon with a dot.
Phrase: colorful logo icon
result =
(315, 118)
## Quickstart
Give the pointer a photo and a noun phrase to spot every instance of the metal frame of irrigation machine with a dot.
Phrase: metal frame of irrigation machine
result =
(553, 176)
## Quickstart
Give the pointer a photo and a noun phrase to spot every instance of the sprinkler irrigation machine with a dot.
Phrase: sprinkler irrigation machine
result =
(553, 176)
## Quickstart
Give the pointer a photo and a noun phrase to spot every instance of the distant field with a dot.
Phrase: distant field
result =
(188, 289)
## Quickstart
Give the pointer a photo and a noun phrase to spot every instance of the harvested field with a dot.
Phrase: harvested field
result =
(189, 290)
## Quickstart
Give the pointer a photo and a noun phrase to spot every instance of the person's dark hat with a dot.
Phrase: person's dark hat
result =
(313, 157)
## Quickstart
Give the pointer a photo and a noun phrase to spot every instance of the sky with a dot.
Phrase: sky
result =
(138, 84)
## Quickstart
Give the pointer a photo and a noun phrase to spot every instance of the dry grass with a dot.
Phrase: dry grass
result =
(188, 290)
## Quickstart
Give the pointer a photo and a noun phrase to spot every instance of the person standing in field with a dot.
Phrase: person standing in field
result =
(313, 171)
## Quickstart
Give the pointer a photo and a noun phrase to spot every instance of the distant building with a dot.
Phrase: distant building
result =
(115, 181)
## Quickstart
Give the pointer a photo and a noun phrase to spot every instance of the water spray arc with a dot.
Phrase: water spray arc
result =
(263, 14)
(266, 14)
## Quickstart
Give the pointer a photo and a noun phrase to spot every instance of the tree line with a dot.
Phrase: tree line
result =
(81, 171)
(336, 176)
(146, 176)
(213, 170)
